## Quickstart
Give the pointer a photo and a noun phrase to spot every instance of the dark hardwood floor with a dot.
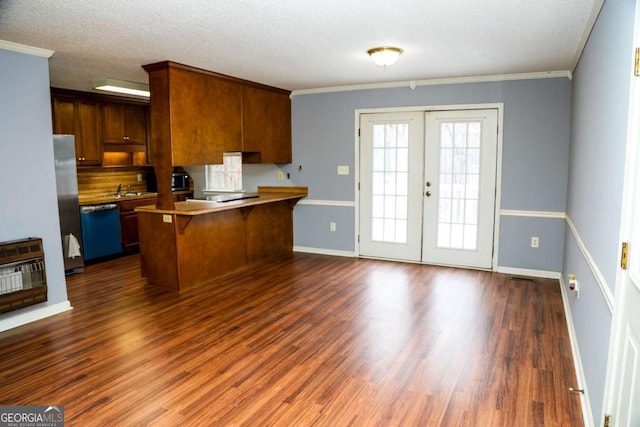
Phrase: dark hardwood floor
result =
(301, 341)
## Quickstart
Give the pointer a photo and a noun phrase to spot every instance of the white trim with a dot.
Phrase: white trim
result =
(340, 203)
(626, 234)
(585, 401)
(32, 315)
(543, 274)
(356, 181)
(606, 291)
(412, 84)
(29, 50)
(323, 251)
(498, 194)
(533, 214)
(427, 108)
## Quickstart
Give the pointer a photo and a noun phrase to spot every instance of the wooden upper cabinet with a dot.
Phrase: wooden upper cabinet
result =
(82, 119)
(196, 115)
(90, 125)
(266, 125)
(124, 124)
(64, 117)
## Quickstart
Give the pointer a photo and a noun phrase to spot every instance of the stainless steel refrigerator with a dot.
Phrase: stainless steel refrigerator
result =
(64, 153)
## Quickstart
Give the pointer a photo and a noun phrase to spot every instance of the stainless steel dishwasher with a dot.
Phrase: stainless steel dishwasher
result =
(100, 230)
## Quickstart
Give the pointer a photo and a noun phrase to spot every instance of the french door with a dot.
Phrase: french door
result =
(427, 186)
(460, 183)
(391, 155)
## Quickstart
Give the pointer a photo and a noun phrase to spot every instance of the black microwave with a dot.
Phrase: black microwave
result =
(179, 181)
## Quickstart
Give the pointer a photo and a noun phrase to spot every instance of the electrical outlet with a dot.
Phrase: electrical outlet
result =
(332, 226)
(167, 218)
(343, 170)
(535, 242)
(139, 177)
(280, 175)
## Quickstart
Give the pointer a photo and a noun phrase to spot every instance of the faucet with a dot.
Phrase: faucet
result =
(119, 190)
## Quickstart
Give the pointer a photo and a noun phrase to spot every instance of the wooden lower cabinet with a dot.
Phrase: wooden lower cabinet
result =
(129, 223)
(129, 219)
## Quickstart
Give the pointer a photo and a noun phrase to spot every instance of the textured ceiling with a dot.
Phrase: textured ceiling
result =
(296, 44)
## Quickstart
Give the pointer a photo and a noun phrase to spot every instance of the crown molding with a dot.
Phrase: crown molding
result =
(29, 50)
(433, 82)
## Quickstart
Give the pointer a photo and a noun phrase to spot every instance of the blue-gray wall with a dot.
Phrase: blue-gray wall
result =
(29, 206)
(534, 166)
(597, 158)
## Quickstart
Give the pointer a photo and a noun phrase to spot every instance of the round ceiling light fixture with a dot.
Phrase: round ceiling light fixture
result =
(385, 55)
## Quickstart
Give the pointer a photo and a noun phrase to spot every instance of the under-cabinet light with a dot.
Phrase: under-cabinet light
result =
(121, 86)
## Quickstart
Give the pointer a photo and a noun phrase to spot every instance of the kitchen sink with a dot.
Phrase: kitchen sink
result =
(132, 194)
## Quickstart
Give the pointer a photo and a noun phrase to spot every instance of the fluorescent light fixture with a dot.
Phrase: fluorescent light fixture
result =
(121, 86)
(385, 55)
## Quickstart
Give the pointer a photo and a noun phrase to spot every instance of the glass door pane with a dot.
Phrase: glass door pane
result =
(459, 180)
(390, 182)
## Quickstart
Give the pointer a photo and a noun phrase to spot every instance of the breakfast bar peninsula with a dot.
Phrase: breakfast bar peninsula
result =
(197, 241)
(196, 116)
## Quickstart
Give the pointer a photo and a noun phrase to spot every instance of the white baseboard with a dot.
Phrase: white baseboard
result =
(506, 270)
(585, 402)
(323, 251)
(33, 314)
(543, 274)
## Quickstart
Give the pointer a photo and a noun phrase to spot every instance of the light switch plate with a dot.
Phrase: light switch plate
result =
(343, 170)
(166, 218)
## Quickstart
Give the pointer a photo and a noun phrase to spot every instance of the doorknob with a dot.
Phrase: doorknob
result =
(428, 194)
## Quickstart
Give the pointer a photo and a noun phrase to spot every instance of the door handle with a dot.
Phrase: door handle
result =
(428, 194)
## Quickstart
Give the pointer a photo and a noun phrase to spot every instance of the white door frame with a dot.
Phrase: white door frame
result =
(497, 106)
(616, 340)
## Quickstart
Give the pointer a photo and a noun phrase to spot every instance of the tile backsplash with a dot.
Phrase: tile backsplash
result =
(93, 182)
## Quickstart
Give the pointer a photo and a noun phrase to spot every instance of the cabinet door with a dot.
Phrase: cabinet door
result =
(124, 124)
(114, 123)
(266, 124)
(205, 117)
(81, 119)
(65, 122)
(129, 231)
(64, 117)
(129, 222)
(136, 124)
(90, 131)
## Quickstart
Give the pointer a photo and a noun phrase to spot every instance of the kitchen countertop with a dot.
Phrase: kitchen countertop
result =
(95, 199)
(200, 207)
